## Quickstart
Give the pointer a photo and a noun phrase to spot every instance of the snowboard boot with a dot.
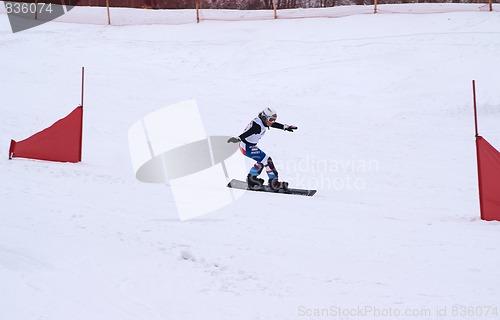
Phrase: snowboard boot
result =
(254, 182)
(276, 185)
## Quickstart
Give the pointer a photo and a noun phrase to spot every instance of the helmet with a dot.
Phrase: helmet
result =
(268, 113)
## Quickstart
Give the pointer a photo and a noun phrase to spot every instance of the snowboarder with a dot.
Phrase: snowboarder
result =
(248, 146)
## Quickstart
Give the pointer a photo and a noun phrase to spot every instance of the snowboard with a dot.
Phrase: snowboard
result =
(238, 184)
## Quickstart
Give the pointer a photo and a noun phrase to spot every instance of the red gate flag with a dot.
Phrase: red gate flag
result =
(62, 141)
(488, 165)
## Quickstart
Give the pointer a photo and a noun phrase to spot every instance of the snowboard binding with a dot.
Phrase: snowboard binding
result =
(276, 185)
(254, 182)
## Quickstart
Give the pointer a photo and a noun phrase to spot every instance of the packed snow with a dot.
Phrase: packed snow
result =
(386, 135)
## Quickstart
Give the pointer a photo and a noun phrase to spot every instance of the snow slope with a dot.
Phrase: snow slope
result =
(384, 109)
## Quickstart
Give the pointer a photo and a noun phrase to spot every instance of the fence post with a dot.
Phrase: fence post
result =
(274, 8)
(375, 6)
(491, 5)
(197, 5)
(107, 8)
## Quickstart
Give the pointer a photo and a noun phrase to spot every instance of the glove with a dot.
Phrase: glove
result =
(233, 140)
(288, 127)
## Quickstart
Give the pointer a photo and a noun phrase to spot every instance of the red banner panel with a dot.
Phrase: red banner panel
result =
(61, 142)
(488, 163)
